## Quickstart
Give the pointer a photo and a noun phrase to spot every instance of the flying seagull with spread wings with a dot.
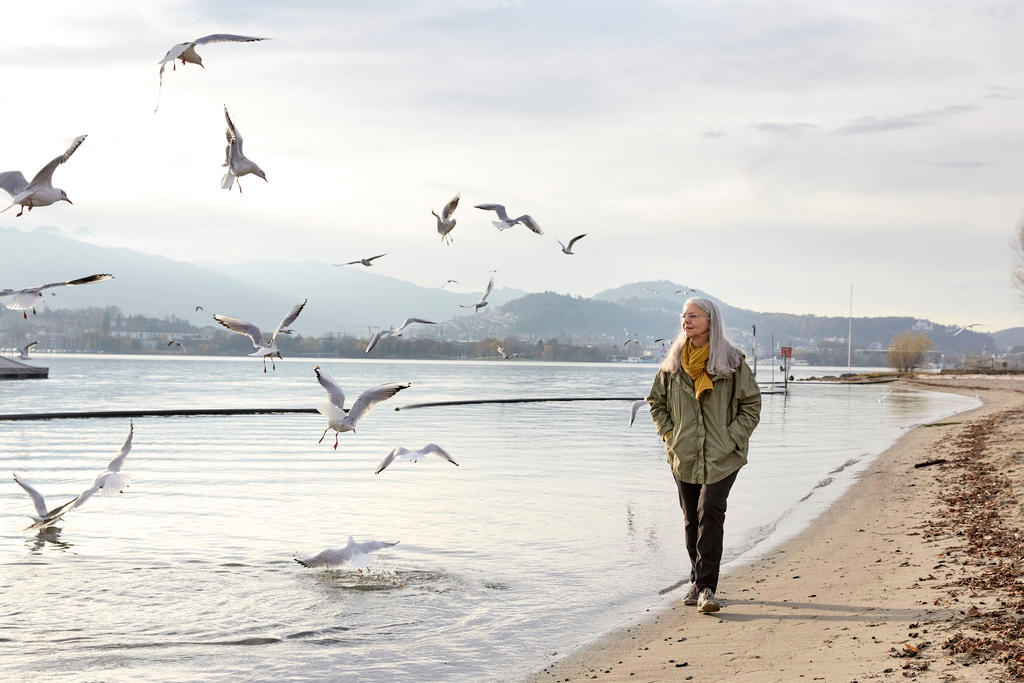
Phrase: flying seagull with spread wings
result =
(186, 52)
(414, 456)
(483, 300)
(264, 348)
(44, 517)
(236, 162)
(504, 222)
(396, 331)
(31, 297)
(40, 191)
(365, 261)
(333, 408)
(567, 248)
(113, 480)
(24, 350)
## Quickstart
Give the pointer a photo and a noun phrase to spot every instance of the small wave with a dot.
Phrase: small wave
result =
(848, 463)
(319, 632)
(244, 641)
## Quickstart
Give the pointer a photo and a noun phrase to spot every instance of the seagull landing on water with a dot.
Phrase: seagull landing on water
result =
(445, 222)
(44, 517)
(395, 331)
(414, 456)
(567, 248)
(264, 349)
(113, 480)
(483, 300)
(365, 261)
(31, 297)
(334, 407)
(39, 192)
(358, 554)
(24, 350)
(504, 222)
(186, 52)
(237, 163)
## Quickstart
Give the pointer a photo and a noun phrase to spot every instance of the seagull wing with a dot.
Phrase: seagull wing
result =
(434, 448)
(496, 208)
(372, 397)
(490, 286)
(37, 497)
(409, 321)
(240, 326)
(331, 557)
(575, 239)
(395, 452)
(13, 182)
(334, 392)
(116, 464)
(372, 258)
(85, 495)
(528, 221)
(372, 546)
(45, 176)
(28, 346)
(174, 53)
(87, 280)
(222, 38)
(449, 208)
(376, 338)
(633, 410)
(288, 319)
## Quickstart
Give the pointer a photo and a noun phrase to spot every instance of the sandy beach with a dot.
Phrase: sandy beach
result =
(916, 572)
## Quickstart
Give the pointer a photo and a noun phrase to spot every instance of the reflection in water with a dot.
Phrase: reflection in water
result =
(50, 534)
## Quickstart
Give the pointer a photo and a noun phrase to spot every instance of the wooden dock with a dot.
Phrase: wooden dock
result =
(12, 369)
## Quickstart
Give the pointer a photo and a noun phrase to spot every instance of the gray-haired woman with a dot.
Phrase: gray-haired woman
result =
(705, 404)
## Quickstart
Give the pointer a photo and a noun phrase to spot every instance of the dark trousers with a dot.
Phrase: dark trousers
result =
(704, 511)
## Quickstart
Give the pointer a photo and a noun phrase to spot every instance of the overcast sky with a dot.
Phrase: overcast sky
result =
(772, 153)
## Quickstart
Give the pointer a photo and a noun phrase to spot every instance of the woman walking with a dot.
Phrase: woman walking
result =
(705, 404)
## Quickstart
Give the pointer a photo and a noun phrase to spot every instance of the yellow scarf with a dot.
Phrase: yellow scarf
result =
(694, 361)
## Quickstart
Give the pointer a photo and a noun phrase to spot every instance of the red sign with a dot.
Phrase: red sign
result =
(787, 351)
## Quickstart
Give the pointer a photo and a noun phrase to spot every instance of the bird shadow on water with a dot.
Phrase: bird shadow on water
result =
(50, 535)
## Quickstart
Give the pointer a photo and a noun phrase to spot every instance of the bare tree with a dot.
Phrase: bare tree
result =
(907, 350)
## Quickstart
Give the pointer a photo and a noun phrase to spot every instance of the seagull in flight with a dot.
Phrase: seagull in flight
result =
(684, 291)
(448, 282)
(483, 300)
(445, 222)
(40, 191)
(634, 408)
(31, 297)
(200, 308)
(395, 331)
(567, 249)
(506, 356)
(113, 480)
(186, 52)
(365, 261)
(175, 342)
(967, 327)
(24, 350)
(334, 407)
(414, 456)
(504, 222)
(236, 162)
(44, 517)
(356, 553)
(264, 348)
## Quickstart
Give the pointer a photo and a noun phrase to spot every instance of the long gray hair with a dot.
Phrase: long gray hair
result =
(723, 357)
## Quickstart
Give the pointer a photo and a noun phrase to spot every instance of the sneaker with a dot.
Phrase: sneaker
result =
(691, 595)
(706, 601)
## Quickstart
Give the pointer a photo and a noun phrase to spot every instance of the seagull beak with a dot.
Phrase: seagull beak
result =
(68, 200)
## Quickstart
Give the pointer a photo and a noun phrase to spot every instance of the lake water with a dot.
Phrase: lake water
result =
(560, 524)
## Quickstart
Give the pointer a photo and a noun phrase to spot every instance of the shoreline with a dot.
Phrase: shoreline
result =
(838, 600)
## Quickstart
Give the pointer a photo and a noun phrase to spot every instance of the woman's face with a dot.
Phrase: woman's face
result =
(696, 323)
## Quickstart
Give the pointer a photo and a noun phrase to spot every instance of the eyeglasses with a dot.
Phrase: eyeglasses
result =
(692, 316)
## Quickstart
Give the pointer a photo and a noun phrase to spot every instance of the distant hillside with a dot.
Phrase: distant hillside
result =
(1010, 337)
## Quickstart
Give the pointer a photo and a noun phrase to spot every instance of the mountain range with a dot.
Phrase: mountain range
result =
(353, 299)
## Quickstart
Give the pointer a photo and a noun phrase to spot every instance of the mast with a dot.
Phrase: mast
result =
(849, 336)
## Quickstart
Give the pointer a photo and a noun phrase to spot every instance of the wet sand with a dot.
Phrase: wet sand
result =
(916, 572)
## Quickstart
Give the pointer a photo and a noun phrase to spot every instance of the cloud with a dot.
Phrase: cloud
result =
(882, 124)
(713, 134)
(790, 129)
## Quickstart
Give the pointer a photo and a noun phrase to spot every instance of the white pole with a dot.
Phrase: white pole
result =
(849, 336)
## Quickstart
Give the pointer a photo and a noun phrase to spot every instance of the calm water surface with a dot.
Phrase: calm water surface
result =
(560, 524)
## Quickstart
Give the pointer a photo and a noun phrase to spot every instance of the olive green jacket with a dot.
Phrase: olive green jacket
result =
(705, 440)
